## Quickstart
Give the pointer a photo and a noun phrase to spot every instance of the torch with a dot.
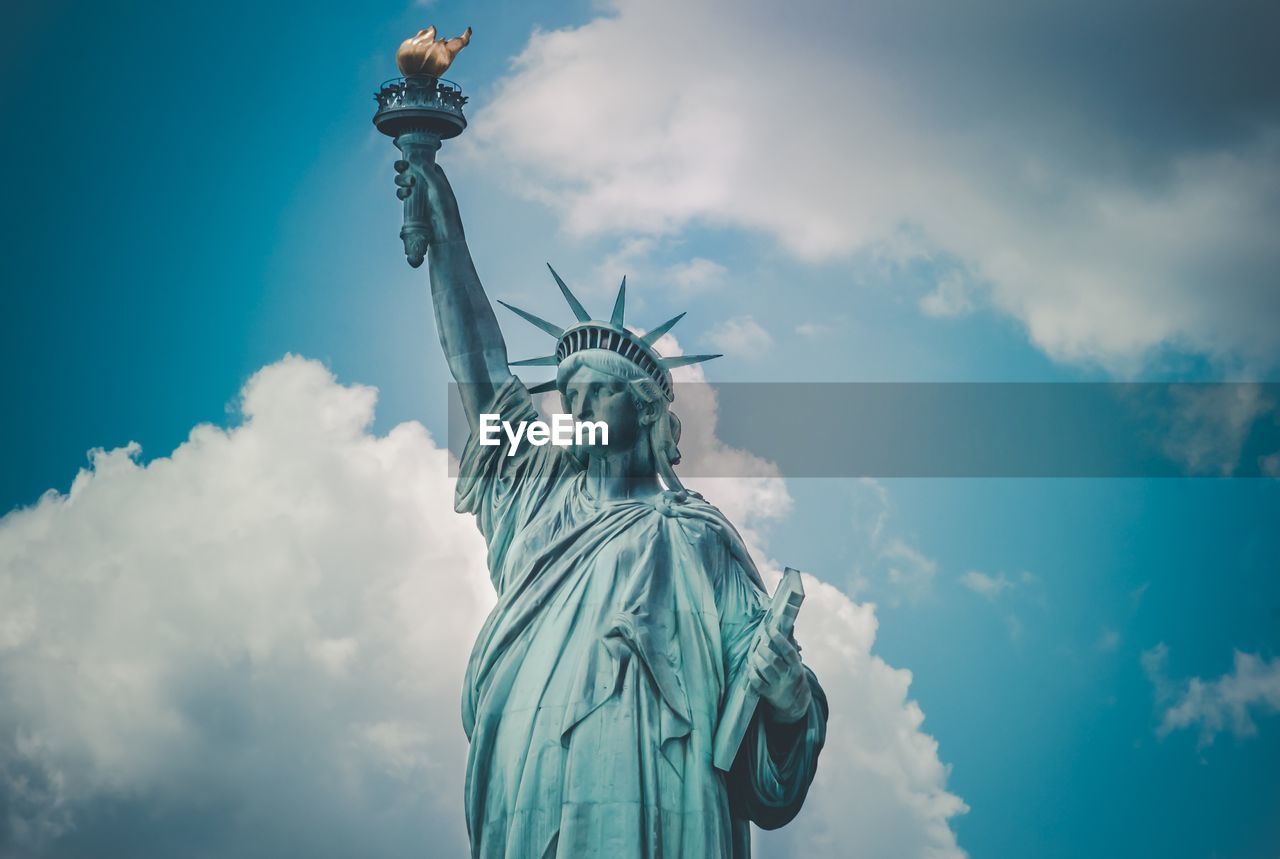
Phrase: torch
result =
(418, 111)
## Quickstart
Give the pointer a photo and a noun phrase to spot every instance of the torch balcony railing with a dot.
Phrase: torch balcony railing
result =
(422, 92)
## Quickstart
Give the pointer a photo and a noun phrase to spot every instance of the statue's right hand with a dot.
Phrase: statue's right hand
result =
(436, 201)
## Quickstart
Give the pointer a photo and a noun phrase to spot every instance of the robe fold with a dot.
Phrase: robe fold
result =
(594, 688)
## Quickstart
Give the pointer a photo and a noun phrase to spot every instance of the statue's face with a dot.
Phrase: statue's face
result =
(594, 396)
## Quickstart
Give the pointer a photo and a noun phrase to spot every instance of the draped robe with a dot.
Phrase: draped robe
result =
(594, 688)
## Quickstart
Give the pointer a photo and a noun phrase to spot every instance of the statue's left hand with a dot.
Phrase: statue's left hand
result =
(775, 672)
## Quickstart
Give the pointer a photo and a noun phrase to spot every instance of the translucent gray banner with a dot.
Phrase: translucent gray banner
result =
(972, 429)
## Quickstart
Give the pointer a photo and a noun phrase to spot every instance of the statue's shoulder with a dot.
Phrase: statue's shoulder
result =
(686, 505)
(708, 530)
(701, 522)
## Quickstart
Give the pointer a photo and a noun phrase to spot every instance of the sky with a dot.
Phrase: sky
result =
(235, 603)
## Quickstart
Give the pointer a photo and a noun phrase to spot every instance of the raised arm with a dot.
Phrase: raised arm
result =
(469, 333)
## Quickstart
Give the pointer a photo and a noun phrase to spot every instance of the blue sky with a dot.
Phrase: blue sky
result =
(909, 193)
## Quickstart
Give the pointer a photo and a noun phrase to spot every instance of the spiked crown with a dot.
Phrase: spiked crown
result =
(588, 333)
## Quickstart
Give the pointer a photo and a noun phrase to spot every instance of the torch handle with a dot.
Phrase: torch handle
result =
(419, 150)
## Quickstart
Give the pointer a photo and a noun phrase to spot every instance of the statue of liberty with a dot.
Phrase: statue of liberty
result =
(628, 607)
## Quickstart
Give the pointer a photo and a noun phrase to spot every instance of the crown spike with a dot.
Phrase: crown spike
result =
(543, 387)
(686, 360)
(652, 337)
(576, 305)
(544, 361)
(546, 326)
(619, 304)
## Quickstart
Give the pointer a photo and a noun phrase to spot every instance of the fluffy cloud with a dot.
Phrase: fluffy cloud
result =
(992, 586)
(910, 570)
(245, 635)
(951, 297)
(1012, 593)
(880, 786)
(889, 566)
(810, 330)
(1228, 703)
(255, 646)
(987, 585)
(1108, 641)
(960, 133)
(1207, 426)
(634, 257)
(696, 275)
(742, 337)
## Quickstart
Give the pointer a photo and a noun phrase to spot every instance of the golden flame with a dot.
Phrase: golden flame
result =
(424, 54)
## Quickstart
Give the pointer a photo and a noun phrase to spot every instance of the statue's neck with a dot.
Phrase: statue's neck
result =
(617, 478)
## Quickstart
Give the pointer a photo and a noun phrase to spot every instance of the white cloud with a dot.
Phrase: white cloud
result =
(1228, 703)
(909, 569)
(1208, 425)
(952, 296)
(812, 329)
(1103, 247)
(635, 257)
(741, 337)
(255, 647)
(988, 586)
(1002, 587)
(1155, 663)
(992, 586)
(631, 259)
(247, 629)
(892, 567)
(1269, 465)
(879, 790)
(696, 275)
(1205, 428)
(1108, 641)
